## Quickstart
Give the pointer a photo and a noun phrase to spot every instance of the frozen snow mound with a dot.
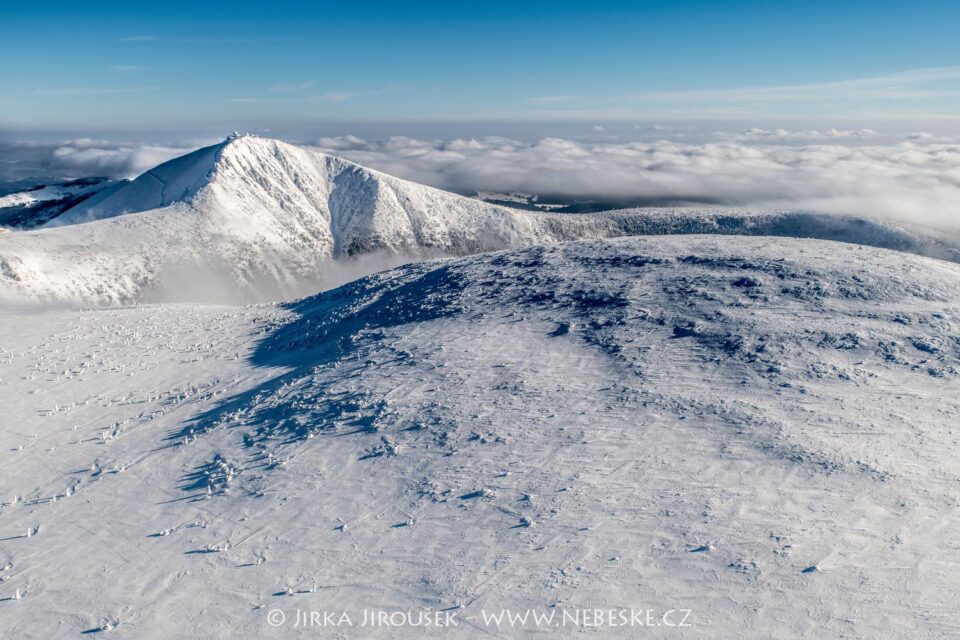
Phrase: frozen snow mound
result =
(253, 219)
(664, 423)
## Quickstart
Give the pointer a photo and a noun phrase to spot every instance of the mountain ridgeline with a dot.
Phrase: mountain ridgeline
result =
(253, 219)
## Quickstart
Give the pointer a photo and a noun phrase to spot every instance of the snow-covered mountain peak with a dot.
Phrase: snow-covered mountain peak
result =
(183, 179)
(253, 218)
(262, 215)
(245, 172)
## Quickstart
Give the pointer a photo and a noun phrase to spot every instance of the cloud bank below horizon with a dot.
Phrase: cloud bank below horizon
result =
(858, 172)
(913, 180)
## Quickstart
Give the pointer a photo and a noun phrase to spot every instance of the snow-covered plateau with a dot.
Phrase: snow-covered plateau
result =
(736, 434)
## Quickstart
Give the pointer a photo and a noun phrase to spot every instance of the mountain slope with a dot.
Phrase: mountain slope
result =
(762, 433)
(38, 205)
(250, 219)
(344, 208)
(257, 219)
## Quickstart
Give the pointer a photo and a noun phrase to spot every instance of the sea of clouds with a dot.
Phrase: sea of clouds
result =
(96, 157)
(914, 178)
(24, 161)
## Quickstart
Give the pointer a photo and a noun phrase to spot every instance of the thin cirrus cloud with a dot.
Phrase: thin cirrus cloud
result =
(881, 94)
(72, 92)
(295, 94)
(179, 40)
(551, 99)
(88, 91)
(913, 84)
(326, 97)
(291, 87)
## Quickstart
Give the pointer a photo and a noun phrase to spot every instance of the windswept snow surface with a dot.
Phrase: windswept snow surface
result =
(761, 432)
(254, 219)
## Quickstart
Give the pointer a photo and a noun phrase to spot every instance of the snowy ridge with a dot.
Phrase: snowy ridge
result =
(247, 219)
(751, 430)
(36, 206)
(342, 208)
(257, 219)
(177, 180)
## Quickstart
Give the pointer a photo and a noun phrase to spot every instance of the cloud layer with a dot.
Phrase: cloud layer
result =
(98, 158)
(83, 157)
(859, 172)
(916, 180)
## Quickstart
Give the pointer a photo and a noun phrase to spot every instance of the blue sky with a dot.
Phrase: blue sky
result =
(138, 65)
